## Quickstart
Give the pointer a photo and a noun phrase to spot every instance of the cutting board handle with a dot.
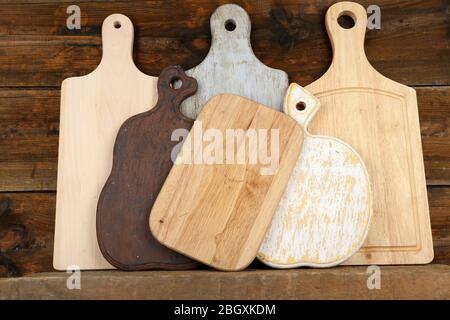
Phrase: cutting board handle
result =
(174, 86)
(230, 22)
(117, 42)
(300, 105)
(348, 44)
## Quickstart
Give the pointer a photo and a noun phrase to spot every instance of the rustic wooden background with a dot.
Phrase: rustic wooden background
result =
(37, 52)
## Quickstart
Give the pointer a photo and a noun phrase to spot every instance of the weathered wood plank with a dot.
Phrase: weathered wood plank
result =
(28, 163)
(411, 47)
(48, 17)
(434, 113)
(397, 282)
(439, 202)
(29, 128)
(27, 222)
(27, 226)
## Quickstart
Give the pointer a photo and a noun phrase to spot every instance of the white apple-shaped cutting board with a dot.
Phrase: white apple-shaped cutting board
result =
(324, 216)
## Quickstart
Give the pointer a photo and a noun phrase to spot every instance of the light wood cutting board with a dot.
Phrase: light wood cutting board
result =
(217, 210)
(93, 107)
(379, 118)
(232, 67)
(324, 215)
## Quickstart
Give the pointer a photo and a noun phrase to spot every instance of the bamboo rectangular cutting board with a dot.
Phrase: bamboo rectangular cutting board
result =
(93, 107)
(222, 192)
(379, 118)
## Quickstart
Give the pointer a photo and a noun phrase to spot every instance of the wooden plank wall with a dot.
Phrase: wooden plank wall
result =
(37, 52)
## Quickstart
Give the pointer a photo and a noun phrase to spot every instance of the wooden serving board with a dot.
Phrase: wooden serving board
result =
(324, 215)
(94, 106)
(92, 109)
(379, 118)
(232, 67)
(142, 161)
(218, 201)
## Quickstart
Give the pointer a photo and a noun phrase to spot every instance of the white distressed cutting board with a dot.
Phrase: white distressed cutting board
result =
(93, 107)
(324, 215)
(231, 66)
(379, 118)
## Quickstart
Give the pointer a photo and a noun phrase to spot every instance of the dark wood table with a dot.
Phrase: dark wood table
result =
(38, 51)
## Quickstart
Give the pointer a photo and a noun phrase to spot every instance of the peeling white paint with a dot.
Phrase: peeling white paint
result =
(324, 215)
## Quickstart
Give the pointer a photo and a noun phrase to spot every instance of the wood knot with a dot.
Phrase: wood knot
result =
(289, 28)
(13, 237)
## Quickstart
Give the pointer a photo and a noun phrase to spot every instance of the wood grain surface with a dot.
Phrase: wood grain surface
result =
(29, 144)
(397, 282)
(35, 214)
(412, 47)
(217, 210)
(379, 118)
(92, 109)
(141, 163)
(324, 215)
(178, 32)
(231, 65)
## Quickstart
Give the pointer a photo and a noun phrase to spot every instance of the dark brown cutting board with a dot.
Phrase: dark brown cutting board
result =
(142, 161)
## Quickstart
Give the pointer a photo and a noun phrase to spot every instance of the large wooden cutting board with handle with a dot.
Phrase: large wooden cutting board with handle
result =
(93, 107)
(232, 67)
(379, 118)
(142, 160)
(324, 215)
(222, 191)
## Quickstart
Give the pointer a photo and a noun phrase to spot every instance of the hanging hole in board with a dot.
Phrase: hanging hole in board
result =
(230, 25)
(176, 83)
(347, 20)
(300, 106)
(117, 24)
